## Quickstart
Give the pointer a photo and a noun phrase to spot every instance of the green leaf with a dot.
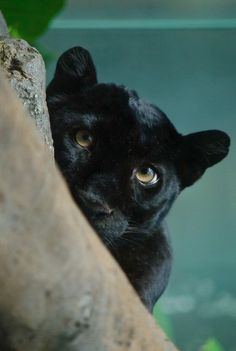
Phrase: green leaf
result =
(163, 321)
(212, 345)
(30, 18)
(13, 32)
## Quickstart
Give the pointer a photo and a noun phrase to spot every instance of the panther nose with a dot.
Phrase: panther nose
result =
(95, 204)
(98, 208)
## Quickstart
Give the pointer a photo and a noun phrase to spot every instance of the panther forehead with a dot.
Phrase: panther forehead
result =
(145, 113)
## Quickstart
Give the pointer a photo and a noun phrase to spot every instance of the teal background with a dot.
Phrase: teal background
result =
(180, 55)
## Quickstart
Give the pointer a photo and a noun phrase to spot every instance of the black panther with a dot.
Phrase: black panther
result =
(125, 164)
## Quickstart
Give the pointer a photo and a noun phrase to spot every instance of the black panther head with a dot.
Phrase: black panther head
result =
(123, 159)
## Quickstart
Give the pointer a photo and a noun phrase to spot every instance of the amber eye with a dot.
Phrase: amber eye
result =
(84, 138)
(147, 175)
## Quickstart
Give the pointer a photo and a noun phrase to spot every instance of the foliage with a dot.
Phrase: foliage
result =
(164, 321)
(28, 19)
(212, 345)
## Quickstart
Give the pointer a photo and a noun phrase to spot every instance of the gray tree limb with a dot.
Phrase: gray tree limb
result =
(25, 69)
(3, 26)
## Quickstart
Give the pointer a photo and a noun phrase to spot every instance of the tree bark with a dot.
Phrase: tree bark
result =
(60, 288)
(25, 69)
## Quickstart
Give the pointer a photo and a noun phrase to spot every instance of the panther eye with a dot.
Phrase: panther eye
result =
(147, 175)
(84, 138)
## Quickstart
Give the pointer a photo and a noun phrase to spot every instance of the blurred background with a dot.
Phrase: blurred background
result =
(180, 55)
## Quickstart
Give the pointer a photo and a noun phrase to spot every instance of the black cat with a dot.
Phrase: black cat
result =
(125, 164)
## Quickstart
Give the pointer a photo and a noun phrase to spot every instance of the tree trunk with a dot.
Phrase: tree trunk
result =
(25, 69)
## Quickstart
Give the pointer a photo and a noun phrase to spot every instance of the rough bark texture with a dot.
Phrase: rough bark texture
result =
(60, 288)
(25, 70)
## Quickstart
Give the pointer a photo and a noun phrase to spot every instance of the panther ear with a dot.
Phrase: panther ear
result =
(75, 71)
(199, 151)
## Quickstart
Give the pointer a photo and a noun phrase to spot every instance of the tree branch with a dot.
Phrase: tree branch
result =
(25, 69)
